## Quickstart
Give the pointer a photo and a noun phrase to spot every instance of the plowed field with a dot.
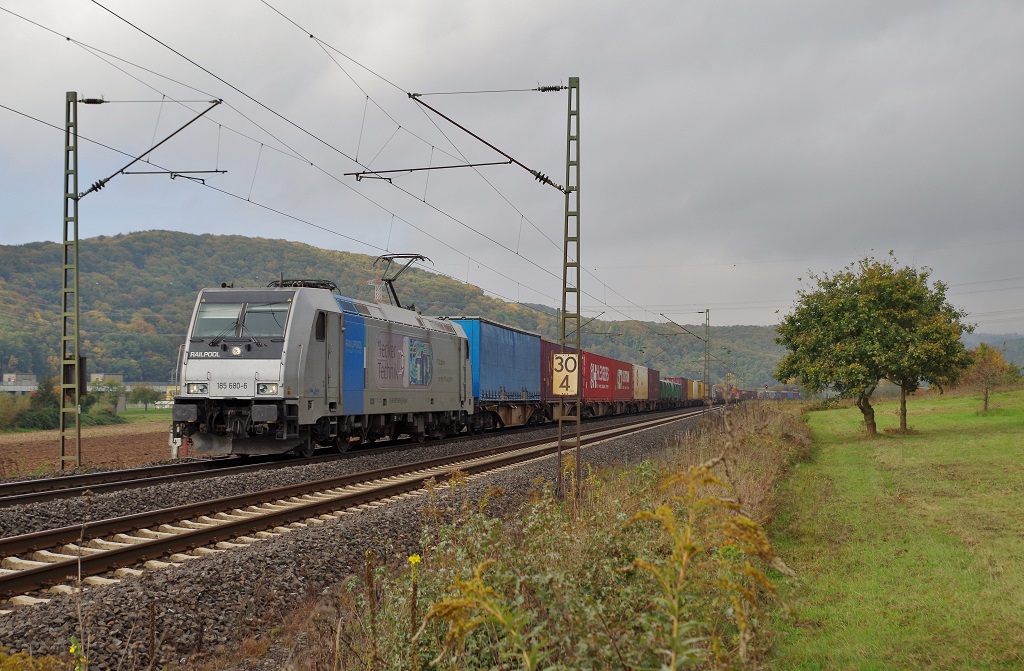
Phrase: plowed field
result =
(119, 446)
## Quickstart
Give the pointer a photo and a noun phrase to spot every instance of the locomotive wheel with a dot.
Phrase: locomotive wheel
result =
(341, 444)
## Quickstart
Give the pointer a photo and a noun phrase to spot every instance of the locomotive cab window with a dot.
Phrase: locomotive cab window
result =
(217, 319)
(265, 319)
(229, 320)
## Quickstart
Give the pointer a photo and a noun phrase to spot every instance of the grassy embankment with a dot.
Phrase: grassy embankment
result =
(657, 566)
(909, 549)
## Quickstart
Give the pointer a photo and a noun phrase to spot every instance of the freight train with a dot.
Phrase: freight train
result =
(296, 365)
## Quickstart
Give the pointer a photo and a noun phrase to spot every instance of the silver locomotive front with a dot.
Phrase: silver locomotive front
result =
(233, 398)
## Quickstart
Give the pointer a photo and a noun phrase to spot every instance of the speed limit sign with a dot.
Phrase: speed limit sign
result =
(565, 374)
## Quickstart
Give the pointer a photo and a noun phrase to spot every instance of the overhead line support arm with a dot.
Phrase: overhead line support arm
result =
(537, 174)
(103, 182)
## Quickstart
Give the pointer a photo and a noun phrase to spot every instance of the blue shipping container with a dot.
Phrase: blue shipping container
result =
(506, 361)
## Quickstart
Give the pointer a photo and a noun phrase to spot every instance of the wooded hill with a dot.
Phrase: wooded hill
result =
(137, 292)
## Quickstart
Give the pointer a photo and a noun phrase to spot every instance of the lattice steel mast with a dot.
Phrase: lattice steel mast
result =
(570, 327)
(707, 359)
(72, 365)
(70, 361)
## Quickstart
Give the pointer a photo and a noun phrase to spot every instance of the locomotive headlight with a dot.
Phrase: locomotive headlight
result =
(266, 388)
(236, 350)
(197, 387)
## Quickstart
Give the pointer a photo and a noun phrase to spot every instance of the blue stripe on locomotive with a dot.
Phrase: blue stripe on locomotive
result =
(503, 360)
(353, 379)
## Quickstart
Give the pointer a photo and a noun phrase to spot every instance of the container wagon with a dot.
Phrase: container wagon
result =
(506, 377)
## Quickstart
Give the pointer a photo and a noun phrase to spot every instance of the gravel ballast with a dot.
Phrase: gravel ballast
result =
(216, 601)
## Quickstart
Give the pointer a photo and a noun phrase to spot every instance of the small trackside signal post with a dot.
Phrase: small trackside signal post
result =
(569, 396)
(565, 383)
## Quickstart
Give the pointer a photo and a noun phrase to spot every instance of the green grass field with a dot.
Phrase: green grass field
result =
(909, 549)
(139, 415)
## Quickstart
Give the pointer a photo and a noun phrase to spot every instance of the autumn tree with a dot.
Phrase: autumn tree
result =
(144, 394)
(921, 340)
(44, 407)
(868, 322)
(989, 369)
(107, 393)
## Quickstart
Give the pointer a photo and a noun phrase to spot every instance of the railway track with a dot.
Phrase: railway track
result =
(47, 489)
(70, 556)
(50, 489)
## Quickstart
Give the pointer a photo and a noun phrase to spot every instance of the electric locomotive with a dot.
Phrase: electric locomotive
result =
(295, 365)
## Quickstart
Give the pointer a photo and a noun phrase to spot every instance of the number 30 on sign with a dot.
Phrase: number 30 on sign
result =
(565, 378)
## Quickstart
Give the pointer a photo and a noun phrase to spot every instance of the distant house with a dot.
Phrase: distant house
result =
(19, 383)
(116, 378)
(20, 378)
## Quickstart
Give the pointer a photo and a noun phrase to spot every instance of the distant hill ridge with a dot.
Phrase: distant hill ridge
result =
(137, 291)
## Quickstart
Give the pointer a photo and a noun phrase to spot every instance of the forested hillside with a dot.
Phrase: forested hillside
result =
(137, 292)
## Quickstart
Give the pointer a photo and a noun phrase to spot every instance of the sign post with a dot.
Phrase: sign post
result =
(565, 378)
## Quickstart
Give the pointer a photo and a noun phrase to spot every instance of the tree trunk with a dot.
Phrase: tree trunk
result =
(903, 410)
(864, 403)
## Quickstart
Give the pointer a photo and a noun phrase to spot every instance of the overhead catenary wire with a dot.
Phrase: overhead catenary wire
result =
(375, 74)
(325, 45)
(327, 173)
(602, 282)
(104, 56)
(490, 184)
(345, 56)
(254, 171)
(302, 220)
(684, 329)
(362, 127)
(223, 81)
(100, 55)
(222, 191)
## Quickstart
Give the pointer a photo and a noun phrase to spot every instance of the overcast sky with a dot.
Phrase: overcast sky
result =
(726, 148)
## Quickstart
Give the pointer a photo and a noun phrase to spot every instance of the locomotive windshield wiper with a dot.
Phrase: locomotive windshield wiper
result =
(253, 338)
(223, 334)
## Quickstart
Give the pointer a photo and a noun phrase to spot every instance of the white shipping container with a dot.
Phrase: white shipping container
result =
(641, 390)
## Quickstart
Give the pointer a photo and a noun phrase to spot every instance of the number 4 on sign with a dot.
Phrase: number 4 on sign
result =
(565, 378)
